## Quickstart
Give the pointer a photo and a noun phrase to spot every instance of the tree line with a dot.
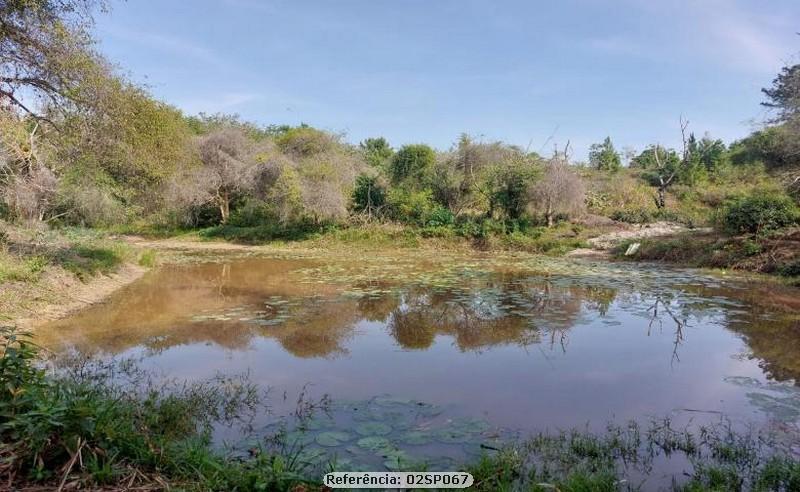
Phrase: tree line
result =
(81, 144)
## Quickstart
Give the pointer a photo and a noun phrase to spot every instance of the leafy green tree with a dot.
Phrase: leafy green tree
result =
(771, 146)
(411, 164)
(661, 167)
(507, 186)
(693, 169)
(604, 157)
(204, 123)
(713, 154)
(46, 54)
(305, 141)
(377, 151)
(127, 135)
(369, 194)
(784, 95)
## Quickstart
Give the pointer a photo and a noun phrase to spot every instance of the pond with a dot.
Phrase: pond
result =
(457, 350)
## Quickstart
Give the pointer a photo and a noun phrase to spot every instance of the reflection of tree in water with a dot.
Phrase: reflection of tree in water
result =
(662, 308)
(501, 312)
(378, 308)
(477, 313)
(156, 311)
(768, 318)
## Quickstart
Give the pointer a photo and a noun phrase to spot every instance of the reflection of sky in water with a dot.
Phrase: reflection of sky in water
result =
(524, 351)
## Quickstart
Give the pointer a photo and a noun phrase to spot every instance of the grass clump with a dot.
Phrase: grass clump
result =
(622, 458)
(16, 269)
(769, 252)
(81, 429)
(86, 261)
(25, 253)
(147, 258)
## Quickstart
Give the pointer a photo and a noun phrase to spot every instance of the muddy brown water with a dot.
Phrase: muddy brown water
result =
(515, 342)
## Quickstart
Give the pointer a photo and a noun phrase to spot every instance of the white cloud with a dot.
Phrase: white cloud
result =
(169, 44)
(731, 33)
(745, 41)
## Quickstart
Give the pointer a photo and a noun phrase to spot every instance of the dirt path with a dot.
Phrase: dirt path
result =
(602, 245)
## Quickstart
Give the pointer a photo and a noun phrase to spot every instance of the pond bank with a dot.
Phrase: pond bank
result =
(60, 294)
(57, 293)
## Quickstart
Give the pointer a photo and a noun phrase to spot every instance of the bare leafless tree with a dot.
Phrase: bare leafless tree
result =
(560, 191)
(666, 169)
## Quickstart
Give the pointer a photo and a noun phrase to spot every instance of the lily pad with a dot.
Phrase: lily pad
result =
(396, 460)
(373, 429)
(470, 425)
(312, 456)
(374, 443)
(416, 438)
(450, 435)
(332, 438)
(297, 438)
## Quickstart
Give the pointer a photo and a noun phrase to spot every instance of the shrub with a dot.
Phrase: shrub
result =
(791, 270)
(369, 194)
(293, 231)
(410, 206)
(759, 213)
(253, 213)
(439, 216)
(632, 216)
(147, 258)
(412, 162)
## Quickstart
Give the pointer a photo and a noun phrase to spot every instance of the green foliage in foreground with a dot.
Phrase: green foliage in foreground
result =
(80, 428)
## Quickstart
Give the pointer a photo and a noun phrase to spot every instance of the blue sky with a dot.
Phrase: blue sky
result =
(530, 73)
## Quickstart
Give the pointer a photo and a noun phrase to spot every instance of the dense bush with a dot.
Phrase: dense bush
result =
(759, 213)
(417, 208)
(411, 163)
(632, 216)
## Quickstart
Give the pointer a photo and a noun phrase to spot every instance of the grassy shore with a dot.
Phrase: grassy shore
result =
(45, 272)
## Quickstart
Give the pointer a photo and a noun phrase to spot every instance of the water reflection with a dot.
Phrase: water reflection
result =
(588, 343)
(231, 304)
